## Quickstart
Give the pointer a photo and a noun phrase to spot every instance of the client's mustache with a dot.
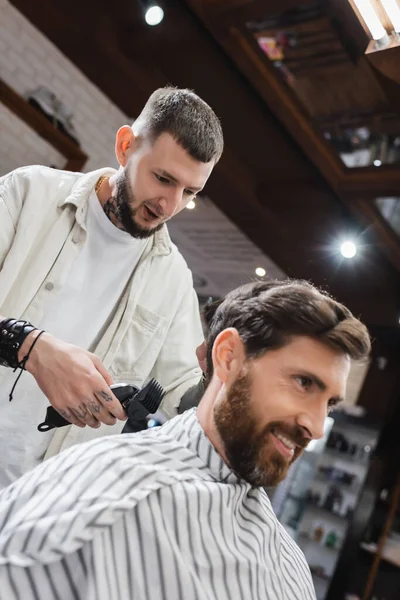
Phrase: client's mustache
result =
(293, 432)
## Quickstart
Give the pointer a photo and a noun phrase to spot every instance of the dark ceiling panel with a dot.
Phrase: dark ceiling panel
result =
(264, 182)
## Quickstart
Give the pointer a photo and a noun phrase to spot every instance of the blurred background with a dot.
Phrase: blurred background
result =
(309, 187)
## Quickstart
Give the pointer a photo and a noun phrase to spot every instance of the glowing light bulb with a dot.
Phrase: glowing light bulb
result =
(260, 272)
(191, 205)
(154, 15)
(348, 249)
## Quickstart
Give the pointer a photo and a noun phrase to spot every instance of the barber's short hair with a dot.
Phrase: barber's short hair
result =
(190, 121)
(267, 315)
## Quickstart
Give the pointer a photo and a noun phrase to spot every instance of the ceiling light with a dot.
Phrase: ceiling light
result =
(260, 272)
(392, 10)
(383, 51)
(348, 249)
(154, 15)
(377, 162)
(191, 205)
(372, 21)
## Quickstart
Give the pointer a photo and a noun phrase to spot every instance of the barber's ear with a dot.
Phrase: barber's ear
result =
(228, 355)
(125, 144)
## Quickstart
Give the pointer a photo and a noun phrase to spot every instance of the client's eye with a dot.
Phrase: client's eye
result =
(332, 404)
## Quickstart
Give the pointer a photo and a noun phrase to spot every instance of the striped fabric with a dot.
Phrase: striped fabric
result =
(151, 516)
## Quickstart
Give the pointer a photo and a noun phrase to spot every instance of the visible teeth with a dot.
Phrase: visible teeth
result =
(286, 441)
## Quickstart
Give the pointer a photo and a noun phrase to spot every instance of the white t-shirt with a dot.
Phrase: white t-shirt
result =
(78, 314)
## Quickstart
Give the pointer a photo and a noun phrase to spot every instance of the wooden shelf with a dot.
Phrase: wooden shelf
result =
(349, 487)
(373, 548)
(378, 549)
(345, 457)
(312, 506)
(76, 158)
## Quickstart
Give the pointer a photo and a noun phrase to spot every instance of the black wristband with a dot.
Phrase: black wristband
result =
(13, 333)
(23, 362)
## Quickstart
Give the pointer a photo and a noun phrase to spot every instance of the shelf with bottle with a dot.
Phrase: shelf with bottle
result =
(342, 445)
(330, 544)
(335, 515)
(333, 474)
(352, 487)
(332, 500)
(310, 503)
(347, 457)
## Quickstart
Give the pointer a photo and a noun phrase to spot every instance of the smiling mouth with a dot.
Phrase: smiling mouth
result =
(284, 445)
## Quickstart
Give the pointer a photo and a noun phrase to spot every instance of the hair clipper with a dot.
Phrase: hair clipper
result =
(138, 403)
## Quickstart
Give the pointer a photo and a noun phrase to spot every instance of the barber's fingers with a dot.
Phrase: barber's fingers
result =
(110, 404)
(69, 416)
(87, 413)
(201, 353)
(91, 412)
(102, 370)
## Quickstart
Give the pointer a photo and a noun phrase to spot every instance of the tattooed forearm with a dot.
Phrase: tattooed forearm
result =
(104, 396)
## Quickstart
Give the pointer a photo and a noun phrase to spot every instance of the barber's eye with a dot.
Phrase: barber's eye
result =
(304, 381)
(161, 179)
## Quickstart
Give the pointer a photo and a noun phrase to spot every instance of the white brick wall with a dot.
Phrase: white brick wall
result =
(21, 146)
(29, 59)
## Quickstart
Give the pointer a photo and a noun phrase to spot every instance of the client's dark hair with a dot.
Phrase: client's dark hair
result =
(268, 314)
(190, 121)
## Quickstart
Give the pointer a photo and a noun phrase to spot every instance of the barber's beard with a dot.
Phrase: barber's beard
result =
(251, 452)
(124, 207)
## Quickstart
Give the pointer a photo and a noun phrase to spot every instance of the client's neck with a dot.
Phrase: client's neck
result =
(205, 414)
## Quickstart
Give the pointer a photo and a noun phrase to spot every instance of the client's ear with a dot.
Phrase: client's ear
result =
(228, 355)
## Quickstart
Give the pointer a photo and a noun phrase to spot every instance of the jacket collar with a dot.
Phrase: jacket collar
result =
(79, 197)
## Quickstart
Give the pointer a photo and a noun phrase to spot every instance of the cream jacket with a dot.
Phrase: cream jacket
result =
(156, 326)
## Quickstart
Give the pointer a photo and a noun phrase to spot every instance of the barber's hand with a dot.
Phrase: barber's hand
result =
(75, 381)
(201, 353)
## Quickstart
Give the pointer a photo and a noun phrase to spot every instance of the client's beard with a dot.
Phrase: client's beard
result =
(250, 451)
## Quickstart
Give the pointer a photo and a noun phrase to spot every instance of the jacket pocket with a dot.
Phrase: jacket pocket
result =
(139, 347)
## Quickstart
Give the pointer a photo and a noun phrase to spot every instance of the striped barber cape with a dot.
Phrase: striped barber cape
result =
(151, 516)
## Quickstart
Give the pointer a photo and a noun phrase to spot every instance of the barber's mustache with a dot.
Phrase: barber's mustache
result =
(156, 210)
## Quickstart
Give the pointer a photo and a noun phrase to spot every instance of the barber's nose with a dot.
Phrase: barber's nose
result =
(312, 420)
(171, 202)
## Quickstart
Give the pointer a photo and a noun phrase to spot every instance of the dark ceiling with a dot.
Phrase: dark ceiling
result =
(277, 180)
